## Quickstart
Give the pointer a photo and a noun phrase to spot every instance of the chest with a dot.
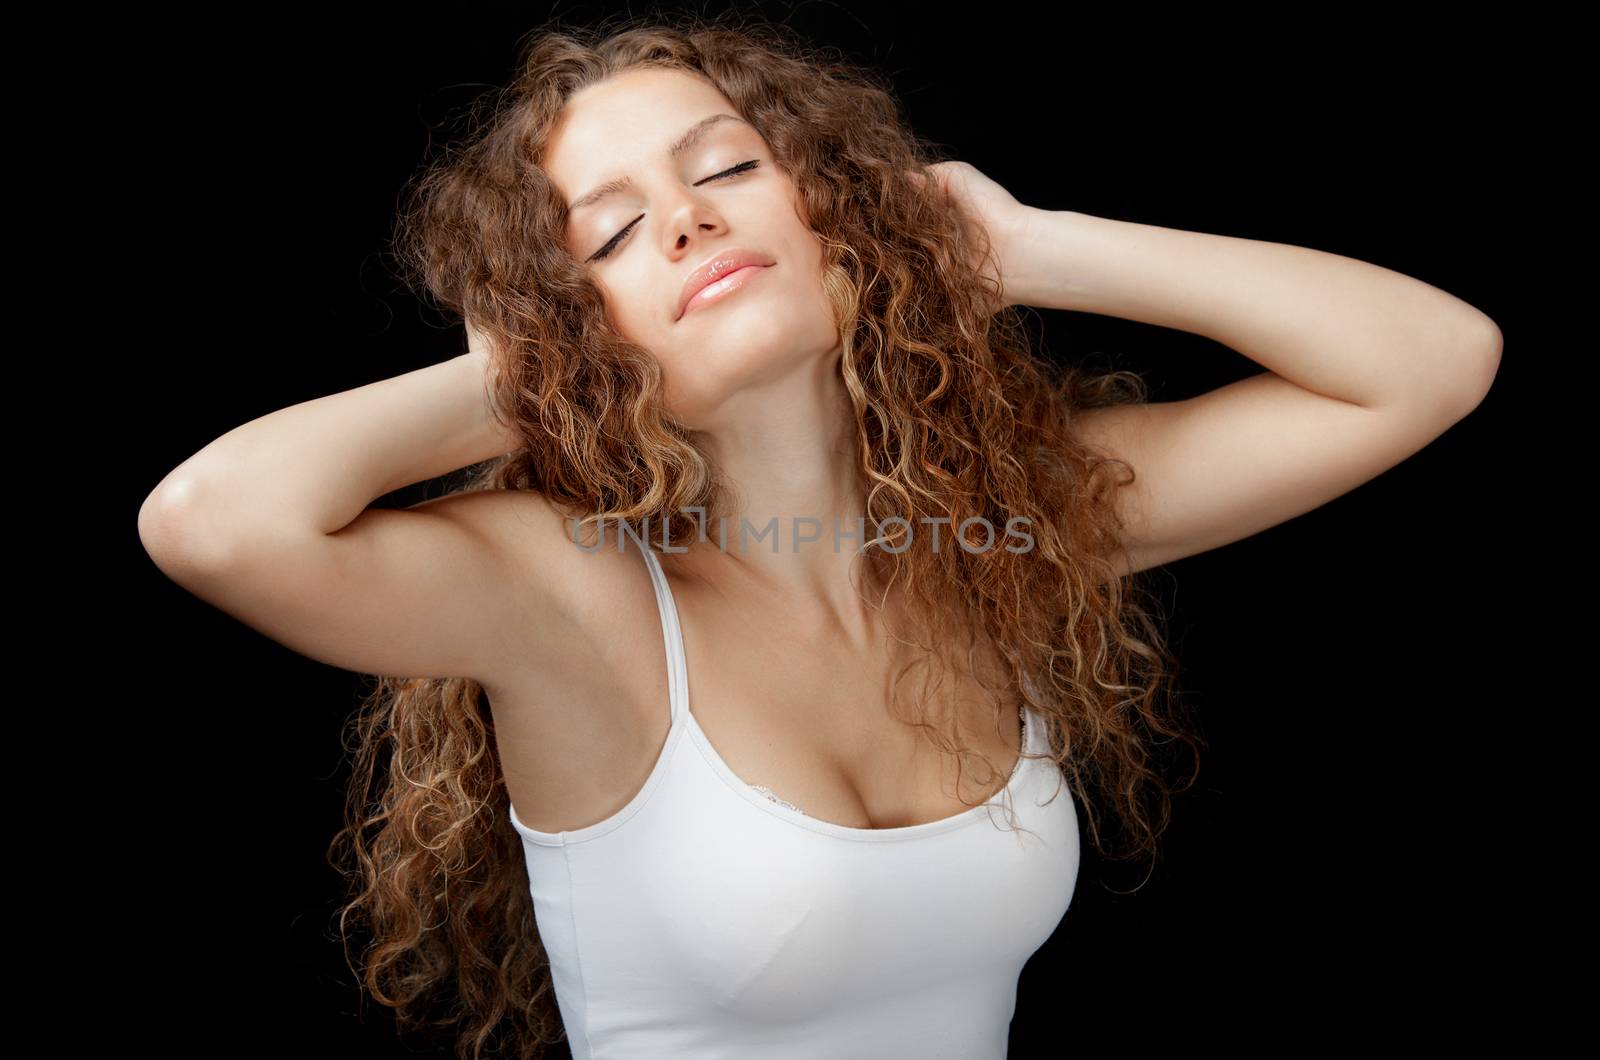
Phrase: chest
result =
(811, 714)
(794, 704)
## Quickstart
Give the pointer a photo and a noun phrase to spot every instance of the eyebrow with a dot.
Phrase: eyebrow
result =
(684, 143)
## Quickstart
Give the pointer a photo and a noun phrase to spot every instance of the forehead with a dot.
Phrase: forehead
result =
(626, 123)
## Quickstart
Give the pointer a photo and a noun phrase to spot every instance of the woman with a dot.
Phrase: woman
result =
(694, 778)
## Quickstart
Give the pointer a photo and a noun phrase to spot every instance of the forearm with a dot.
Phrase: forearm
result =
(1335, 325)
(318, 464)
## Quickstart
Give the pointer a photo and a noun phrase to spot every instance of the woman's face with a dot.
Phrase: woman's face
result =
(678, 212)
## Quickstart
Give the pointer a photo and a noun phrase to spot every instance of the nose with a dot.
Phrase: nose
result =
(692, 221)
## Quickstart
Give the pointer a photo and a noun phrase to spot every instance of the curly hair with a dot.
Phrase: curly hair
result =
(955, 417)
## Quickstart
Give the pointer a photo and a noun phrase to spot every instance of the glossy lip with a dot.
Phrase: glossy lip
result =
(728, 284)
(715, 268)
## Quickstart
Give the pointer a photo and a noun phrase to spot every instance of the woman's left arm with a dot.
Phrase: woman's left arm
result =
(1365, 366)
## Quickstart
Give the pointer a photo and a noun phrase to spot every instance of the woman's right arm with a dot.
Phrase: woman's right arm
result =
(270, 523)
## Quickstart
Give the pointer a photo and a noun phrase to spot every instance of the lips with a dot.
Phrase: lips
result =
(715, 268)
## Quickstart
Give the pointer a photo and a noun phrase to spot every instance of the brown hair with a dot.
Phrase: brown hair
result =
(955, 418)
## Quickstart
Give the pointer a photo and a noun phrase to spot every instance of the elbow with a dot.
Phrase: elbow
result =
(1468, 367)
(176, 531)
(1487, 346)
(1454, 382)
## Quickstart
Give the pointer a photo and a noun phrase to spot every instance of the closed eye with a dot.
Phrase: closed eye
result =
(616, 240)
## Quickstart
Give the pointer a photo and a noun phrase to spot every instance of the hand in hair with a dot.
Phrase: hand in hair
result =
(1001, 221)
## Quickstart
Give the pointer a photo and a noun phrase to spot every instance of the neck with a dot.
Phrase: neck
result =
(788, 455)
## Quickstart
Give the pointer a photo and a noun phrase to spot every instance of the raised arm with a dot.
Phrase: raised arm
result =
(1365, 366)
(270, 523)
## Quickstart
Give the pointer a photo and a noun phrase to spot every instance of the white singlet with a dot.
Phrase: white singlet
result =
(708, 920)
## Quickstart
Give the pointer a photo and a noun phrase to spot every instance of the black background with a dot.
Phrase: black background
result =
(1342, 867)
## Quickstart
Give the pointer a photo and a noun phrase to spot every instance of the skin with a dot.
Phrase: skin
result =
(1348, 394)
(756, 375)
(787, 665)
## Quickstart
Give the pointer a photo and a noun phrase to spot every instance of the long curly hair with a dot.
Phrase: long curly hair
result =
(955, 417)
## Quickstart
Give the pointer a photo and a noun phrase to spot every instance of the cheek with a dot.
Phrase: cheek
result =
(815, 291)
(644, 329)
(800, 211)
(622, 314)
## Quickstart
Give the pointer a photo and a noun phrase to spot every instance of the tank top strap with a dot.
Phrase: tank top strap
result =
(672, 633)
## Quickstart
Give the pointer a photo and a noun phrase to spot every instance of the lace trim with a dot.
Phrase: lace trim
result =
(783, 802)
